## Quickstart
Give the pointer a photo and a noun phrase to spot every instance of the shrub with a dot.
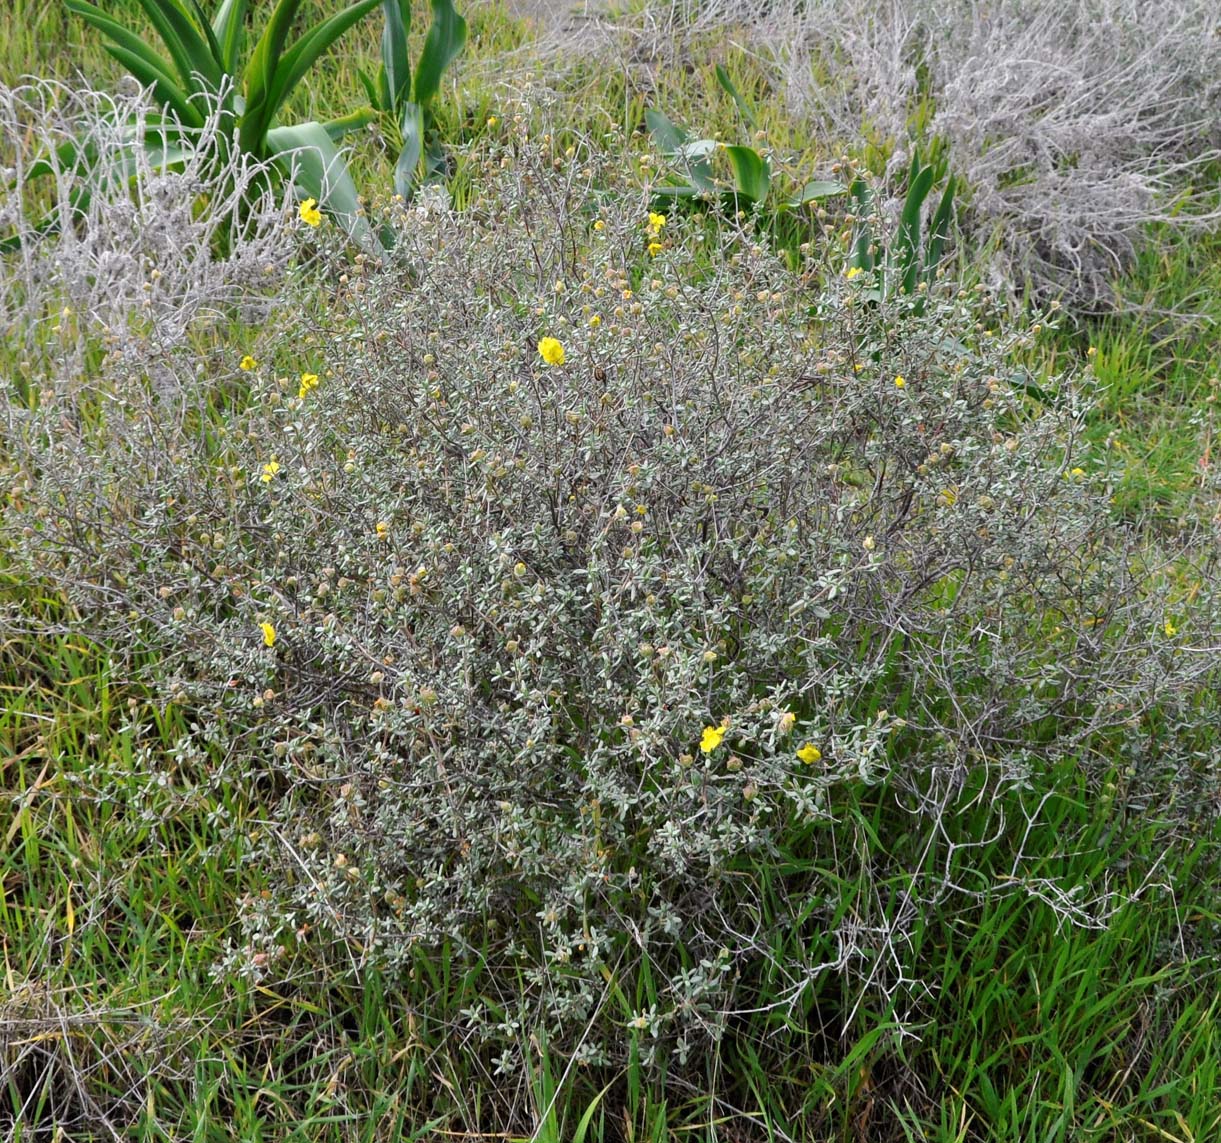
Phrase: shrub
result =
(591, 670)
(136, 270)
(1073, 126)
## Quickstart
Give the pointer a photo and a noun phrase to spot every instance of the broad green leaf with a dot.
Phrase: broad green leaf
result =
(939, 227)
(672, 141)
(301, 57)
(305, 153)
(189, 48)
(260, 77)
(727, 84)
(905, 253)
(345, 124)
(412, 125)
(445, 39)
(371, 89)
(155, 69)
(168, 93)
(752, 179)
(395, 76)
(667, 135)
(697, 149)
(815, 190)
(861, 257)
(229, 28)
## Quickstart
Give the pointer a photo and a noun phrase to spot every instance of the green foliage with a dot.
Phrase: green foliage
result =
(916, 250)
(201, 72)
(409, 102)
(751, 186)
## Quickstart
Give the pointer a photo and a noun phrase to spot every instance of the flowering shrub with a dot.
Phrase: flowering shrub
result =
(569, 610)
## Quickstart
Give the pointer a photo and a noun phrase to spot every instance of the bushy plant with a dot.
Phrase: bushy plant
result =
(1071, 128)
(138, 269)
(202, 72)
(567, 603)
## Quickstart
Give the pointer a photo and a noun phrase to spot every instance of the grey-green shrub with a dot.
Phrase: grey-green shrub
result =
(510, 599)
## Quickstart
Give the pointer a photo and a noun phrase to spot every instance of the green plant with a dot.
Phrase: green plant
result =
(202, 70)
(751, 186)
(915, 252)
(408, 99)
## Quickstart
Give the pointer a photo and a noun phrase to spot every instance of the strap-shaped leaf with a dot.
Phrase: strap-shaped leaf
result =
(727, 85)
(371, 89)
(939, 227)
(122, 36)
(260, 77)
(751, 177)
(166, 91)
(229, 28)
(345, 124)
(674, 142)
(905, 253)
(405, 170)
(861, 257)
(394, 79)
(445, 39)
(189, 48)
(303, 54)
(667, 135)
(305, 153)
(817, 189)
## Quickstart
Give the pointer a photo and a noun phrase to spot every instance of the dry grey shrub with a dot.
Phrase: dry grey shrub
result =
(1075, 126)
(150, 253)
(512, 601)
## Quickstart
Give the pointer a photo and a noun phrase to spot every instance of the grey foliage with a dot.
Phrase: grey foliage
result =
(515, 604)
(141, 253)
(1075, 125)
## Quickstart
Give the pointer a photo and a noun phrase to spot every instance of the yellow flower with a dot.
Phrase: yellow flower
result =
(595, 321)
(711, 738)
(599, 225)
(786, 722)
(899, 382)
(269, 470)
(948, 498)
(852, 272)
(655, 248)
(809, 754)
(382, 529)
(308, 381)
(247, 363)
(1170, 629)
(269, 634)
(656, 221)
(491, 120)
(551, 351)
(310, 214)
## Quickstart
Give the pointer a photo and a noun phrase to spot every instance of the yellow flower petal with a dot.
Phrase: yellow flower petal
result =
(269, 634)
(551, 351)
(711, 738)
(809, 754)
(309, 212)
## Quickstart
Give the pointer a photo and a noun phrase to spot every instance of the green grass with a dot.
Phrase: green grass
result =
(119, 891)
